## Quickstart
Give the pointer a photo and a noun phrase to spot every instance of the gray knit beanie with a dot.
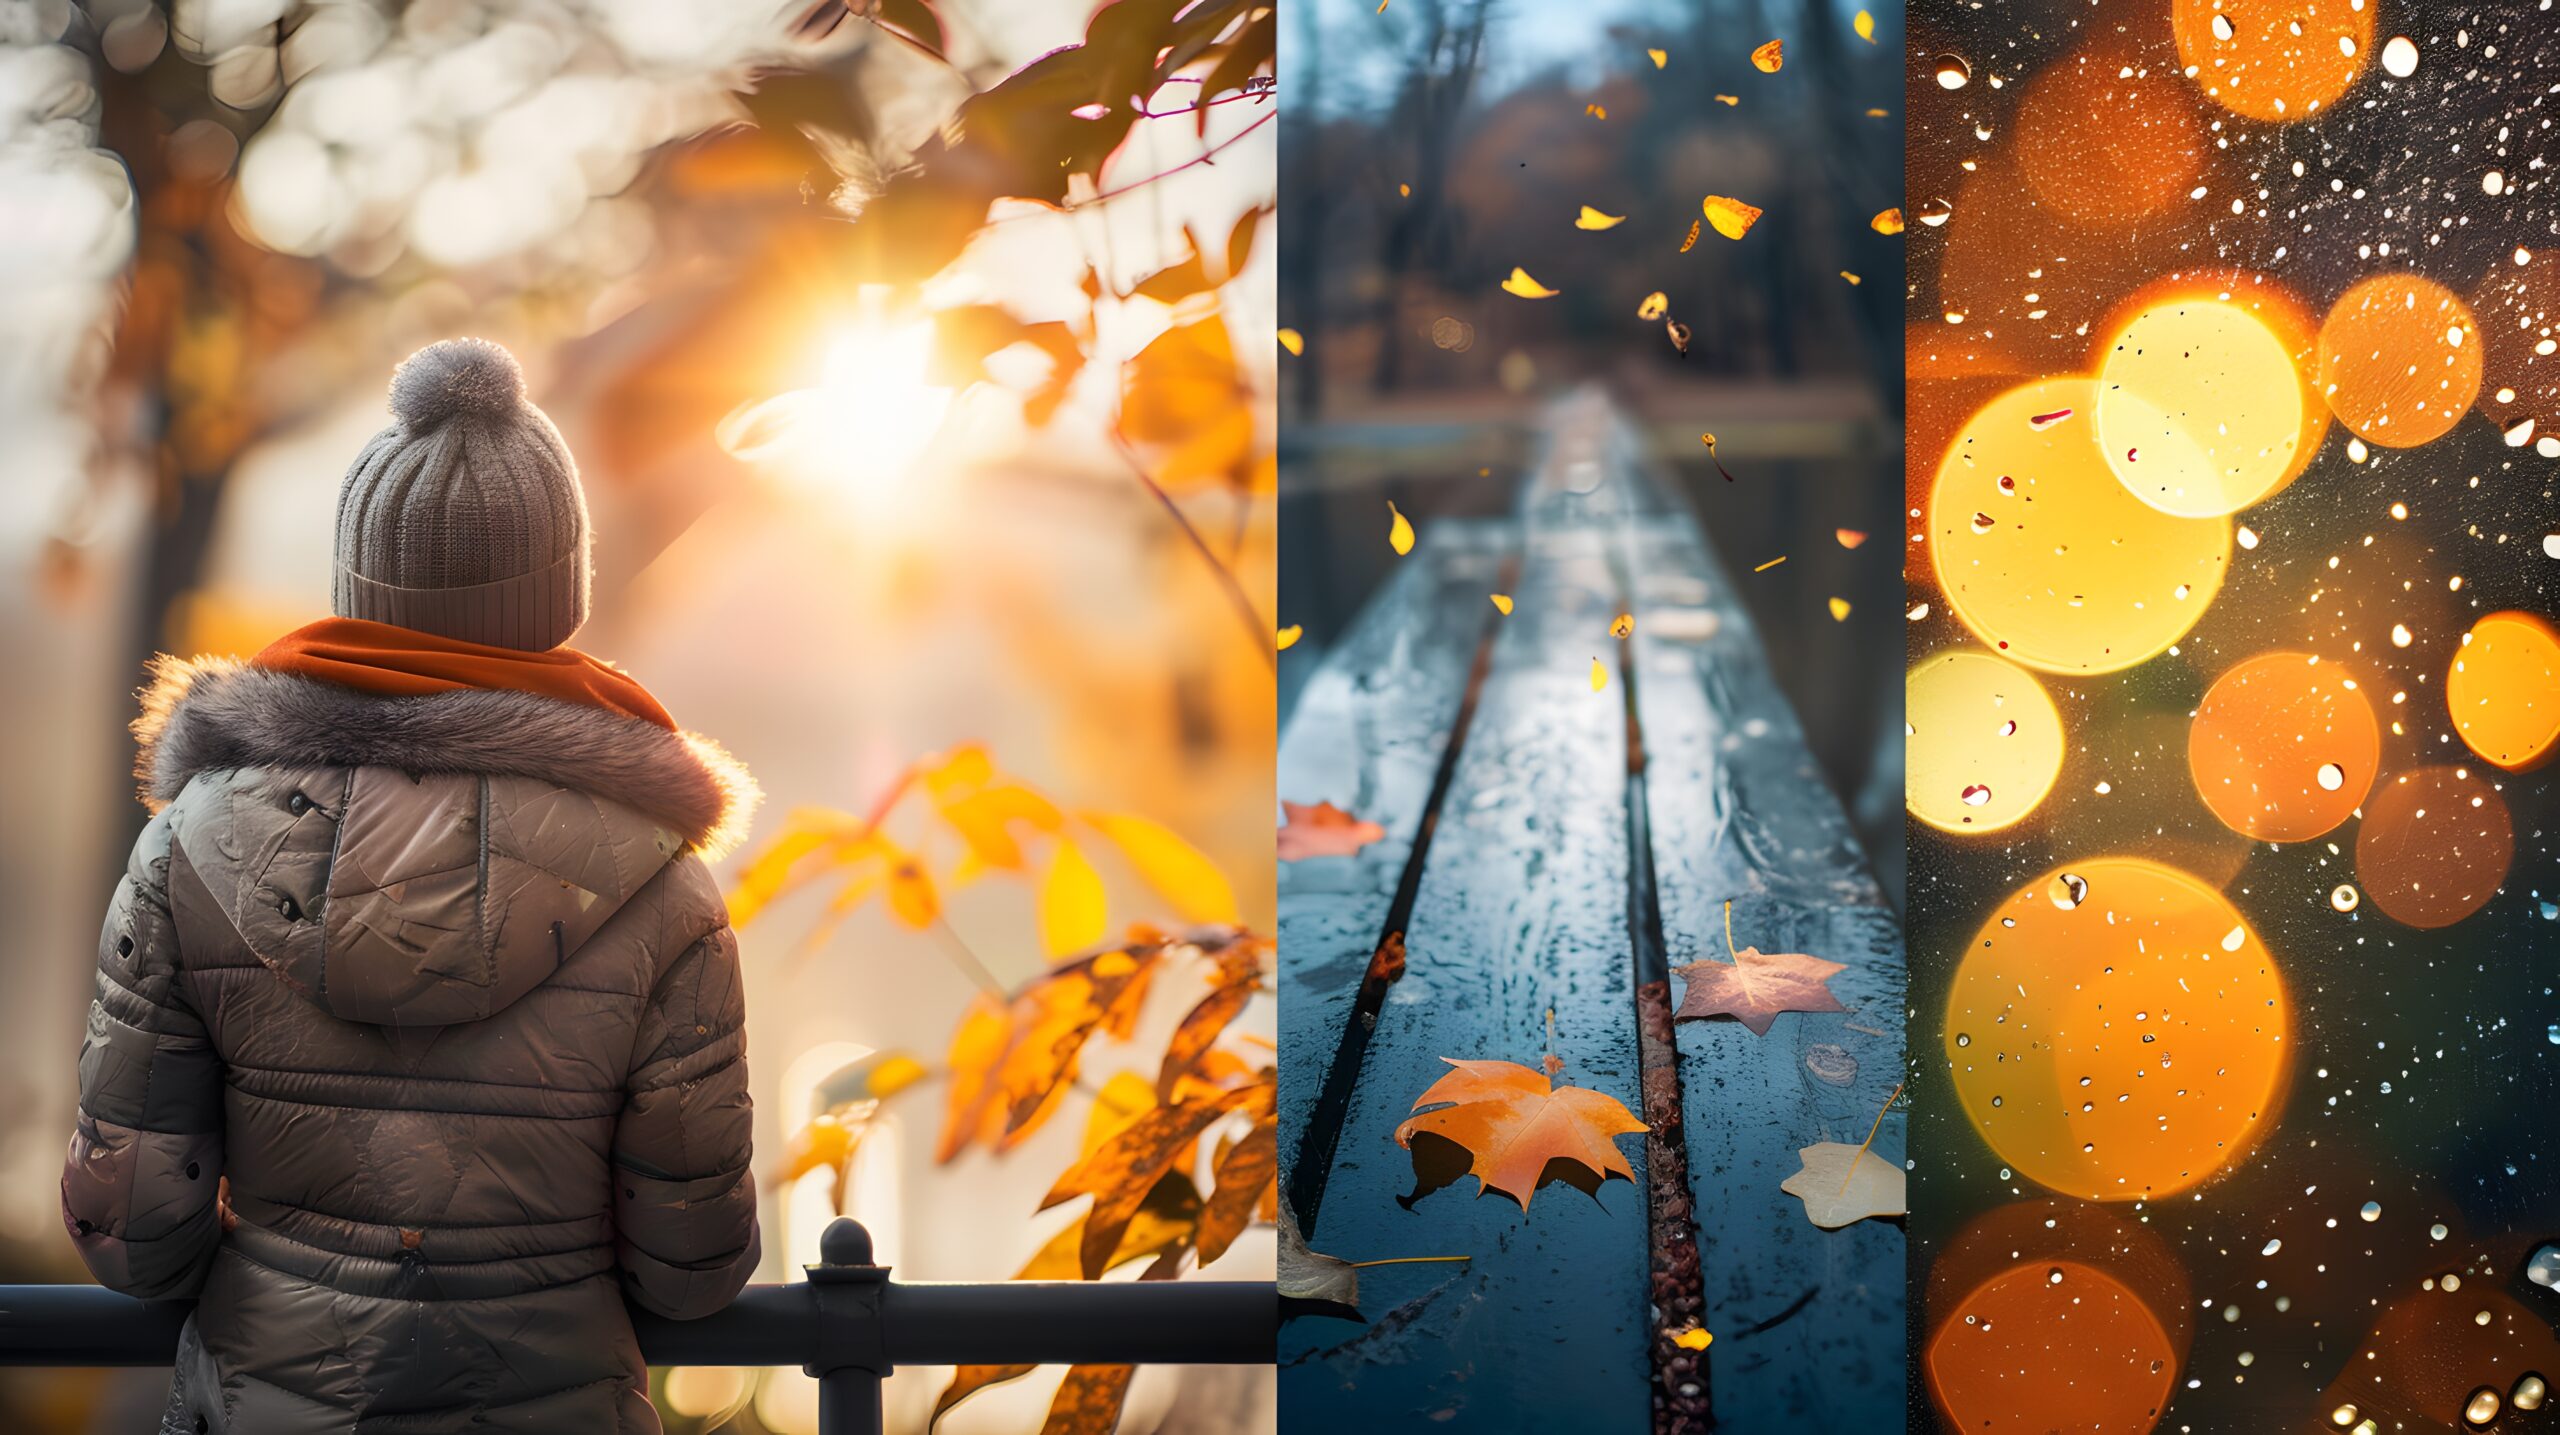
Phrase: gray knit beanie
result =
(464, 518)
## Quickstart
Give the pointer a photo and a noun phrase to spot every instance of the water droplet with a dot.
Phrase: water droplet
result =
(2372, 1211)
(2248, 537)
(2343, 1416)
(2437, 1232)
(2068, 890)
(2481, 1408)
(1953, 71)
(2272, 1247)
(2332, 777)
(2400, 636)
(2543, 1267)
(2530, 1392)
(2232, 939)
(1975, 794)
(2400, 56)
(2344, 897)
(2222, 28)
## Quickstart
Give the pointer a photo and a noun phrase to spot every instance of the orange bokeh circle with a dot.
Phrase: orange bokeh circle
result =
(2504, 690)
(2106, 139)
(2280, 60)
(2283, 747)
(2116, 1031)
(2400, 359)
(2518, 306)
(2051, 1345)
(2434, 846)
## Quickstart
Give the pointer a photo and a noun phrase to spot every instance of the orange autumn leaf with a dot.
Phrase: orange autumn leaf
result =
(1690, 240)
(1244, 1174)
(1731, 217)
(1119, 1175)
(1849, 537)
(1888, 222)
(1756, 986)
(1769, 57)
(1088, 1401)
(1184, 396)
(1513, 1121)
(1240, 970)
(1011, 1060)
(1324, 830)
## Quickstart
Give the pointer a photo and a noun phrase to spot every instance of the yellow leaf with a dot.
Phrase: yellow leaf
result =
(1731, 217)
(1659, 58)
(1400, 532)
(1502, 603)
(1287, 637)
(1865, 25)
(1293, 341)
(825, 1143)
(1852, 278)
(1527, 288)
(1875, 114)
(1072, 915)
(1599, 675)
(1597, 112)
(911, 894)
(1114, 1107)
(1404, 191)
(1176, 870)
(1889, 222)
(1839, 610)
(1694, 1338)
(1728, 99)
(1655, 305)
(1624, 627)
(1689, 241)
(1593, 219)
(1769, 57)
(895, 1073)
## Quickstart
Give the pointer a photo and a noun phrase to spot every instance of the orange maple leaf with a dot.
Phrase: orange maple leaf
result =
(1756, 985)
(1513, 1121)
(1323, 830)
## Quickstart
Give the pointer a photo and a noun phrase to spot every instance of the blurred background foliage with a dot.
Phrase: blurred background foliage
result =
(915, 358)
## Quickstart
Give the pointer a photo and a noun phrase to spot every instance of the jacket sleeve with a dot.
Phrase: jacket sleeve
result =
(685, 1202)
(139, 1185)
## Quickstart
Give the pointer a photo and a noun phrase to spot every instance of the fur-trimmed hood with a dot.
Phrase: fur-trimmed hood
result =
(215, 714)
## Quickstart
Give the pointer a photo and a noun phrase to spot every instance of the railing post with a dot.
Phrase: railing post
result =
(852, 1356)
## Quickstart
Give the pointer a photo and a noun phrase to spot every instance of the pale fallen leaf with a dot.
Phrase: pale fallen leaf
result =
(1841, 1184)
(1323, 830)
(1593, 219)
(1313, 1276)
(1527, 288)
(1731, 217)
(1756, 986)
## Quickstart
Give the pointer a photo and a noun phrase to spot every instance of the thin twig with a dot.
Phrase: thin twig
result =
(967, 961)
(1256, 631)
(1206, 156)
(1404, 1261)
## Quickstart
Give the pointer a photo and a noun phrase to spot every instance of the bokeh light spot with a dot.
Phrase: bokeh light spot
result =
(1977, 725)
(2279, 60)
(2504, 690)
(2283, 747)
(2400, 359)
(2109, 1037)
(2046, 557)
(2052, 1345)
(2201, 411)
(2106, 139)
(2434, 846)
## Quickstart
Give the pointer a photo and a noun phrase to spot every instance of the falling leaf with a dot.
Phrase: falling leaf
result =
(1404, 191)
(1772, 563)
(1710, 441)
(1678, 334)
(1502, 603)
(1849, 537)
(1729, 99)
(1314, 1277)
(1865, 25)
(1072, 911)
(1527, 288)
(1599, 675)
(1323, 830)
(1730, 217)
(1694, 1338)
(1399, 532)
(1593, 219)
(1623, 626)
(1769, 57)
(1655, 305)
(1177, 871)
(1690, 241)
(1660, 58)
(1889, 222)
(1597, 112)
(1852, 278)
(1288, 637)
(1513, 1121)
(1839, 610)
(1293, 341)
(1756, 986)
(1875, 114)
(1841, 1183)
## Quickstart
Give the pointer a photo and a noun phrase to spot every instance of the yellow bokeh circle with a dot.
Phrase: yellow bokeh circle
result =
(1982, 742)
(2046, 557)
(2117, 1031)
(2201, 409)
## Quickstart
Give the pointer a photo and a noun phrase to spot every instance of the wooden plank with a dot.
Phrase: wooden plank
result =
(1367, 735)
(1521, 909)
(1809, 1324)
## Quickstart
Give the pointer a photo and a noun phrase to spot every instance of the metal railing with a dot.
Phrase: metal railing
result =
(848, 1325)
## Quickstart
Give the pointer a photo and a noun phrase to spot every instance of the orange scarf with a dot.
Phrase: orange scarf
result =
(403, 663)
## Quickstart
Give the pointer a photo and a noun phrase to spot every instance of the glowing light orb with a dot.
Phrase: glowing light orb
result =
(2283, 747)
(2051, 1345)
(2106, 139)
(2434, 845)
(2046, 557)
(2504, 690)
(2279, 60)
(2201, 411)
(2116, 1031)
(1983, 742)
(2400, 359)
(2518, 306)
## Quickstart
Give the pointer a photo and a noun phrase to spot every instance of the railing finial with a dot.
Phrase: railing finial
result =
(845, 1243)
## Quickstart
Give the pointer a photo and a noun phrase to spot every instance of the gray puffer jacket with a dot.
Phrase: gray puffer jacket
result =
(440, 989)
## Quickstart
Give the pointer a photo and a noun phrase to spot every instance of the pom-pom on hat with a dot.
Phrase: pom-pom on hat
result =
(464, 518)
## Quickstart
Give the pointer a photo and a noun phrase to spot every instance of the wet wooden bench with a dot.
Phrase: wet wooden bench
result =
(1552, 848)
